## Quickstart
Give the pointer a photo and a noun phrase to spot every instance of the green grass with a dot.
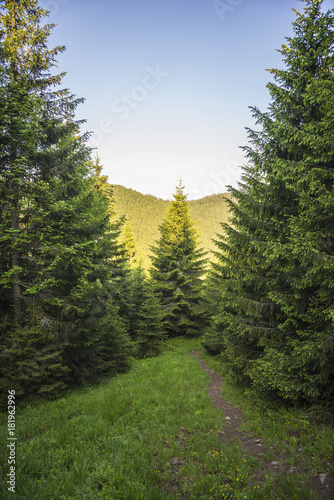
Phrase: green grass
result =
(150, 434)
(298, 434)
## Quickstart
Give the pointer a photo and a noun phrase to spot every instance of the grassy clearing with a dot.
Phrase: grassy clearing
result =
(149, 434)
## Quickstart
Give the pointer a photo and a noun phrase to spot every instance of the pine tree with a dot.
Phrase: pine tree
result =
(58, 243)
(26, 101)
(275, 320)
(91, 283)
(128, 241)
(309, 172)
(142, 313)
(150, 331)
(177, 268)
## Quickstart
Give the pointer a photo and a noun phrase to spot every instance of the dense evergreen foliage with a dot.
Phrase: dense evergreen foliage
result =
(273, 285)
(177, 268)
(143, 313)
(58, 236)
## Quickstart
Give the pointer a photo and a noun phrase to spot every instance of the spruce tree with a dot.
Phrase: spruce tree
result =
(58, 244)
(177, 268)
(26, 101)
(142, 313)
(150, 331)
(274, 279)
(307, 370)
(128, 241)
(91, 269)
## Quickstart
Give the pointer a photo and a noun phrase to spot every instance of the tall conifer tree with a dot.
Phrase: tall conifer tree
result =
(127, 239)
(275, 276)
(58, 245)
(177, 268)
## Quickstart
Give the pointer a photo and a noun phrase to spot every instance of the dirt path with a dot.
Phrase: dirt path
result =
(322, 486)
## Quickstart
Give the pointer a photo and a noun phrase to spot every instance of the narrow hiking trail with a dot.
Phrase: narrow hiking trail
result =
(322, 485)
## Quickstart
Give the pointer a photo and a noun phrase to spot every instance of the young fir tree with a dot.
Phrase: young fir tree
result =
(143, 313)
(150, 331)
(275, 319)
(177, 268)
(140, 307)
(57, 243)
(128, 241)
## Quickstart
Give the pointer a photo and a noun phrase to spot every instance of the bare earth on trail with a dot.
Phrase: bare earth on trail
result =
(322, 486)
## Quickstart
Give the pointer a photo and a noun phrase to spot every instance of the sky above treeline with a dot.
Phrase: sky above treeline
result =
(168, 84)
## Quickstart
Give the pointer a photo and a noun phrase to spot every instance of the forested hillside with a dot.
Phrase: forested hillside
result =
(146, 212)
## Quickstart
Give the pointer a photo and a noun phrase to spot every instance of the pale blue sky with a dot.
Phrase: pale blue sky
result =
(168, 83)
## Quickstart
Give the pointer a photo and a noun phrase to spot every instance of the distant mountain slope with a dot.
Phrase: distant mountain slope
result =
(146, 212)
